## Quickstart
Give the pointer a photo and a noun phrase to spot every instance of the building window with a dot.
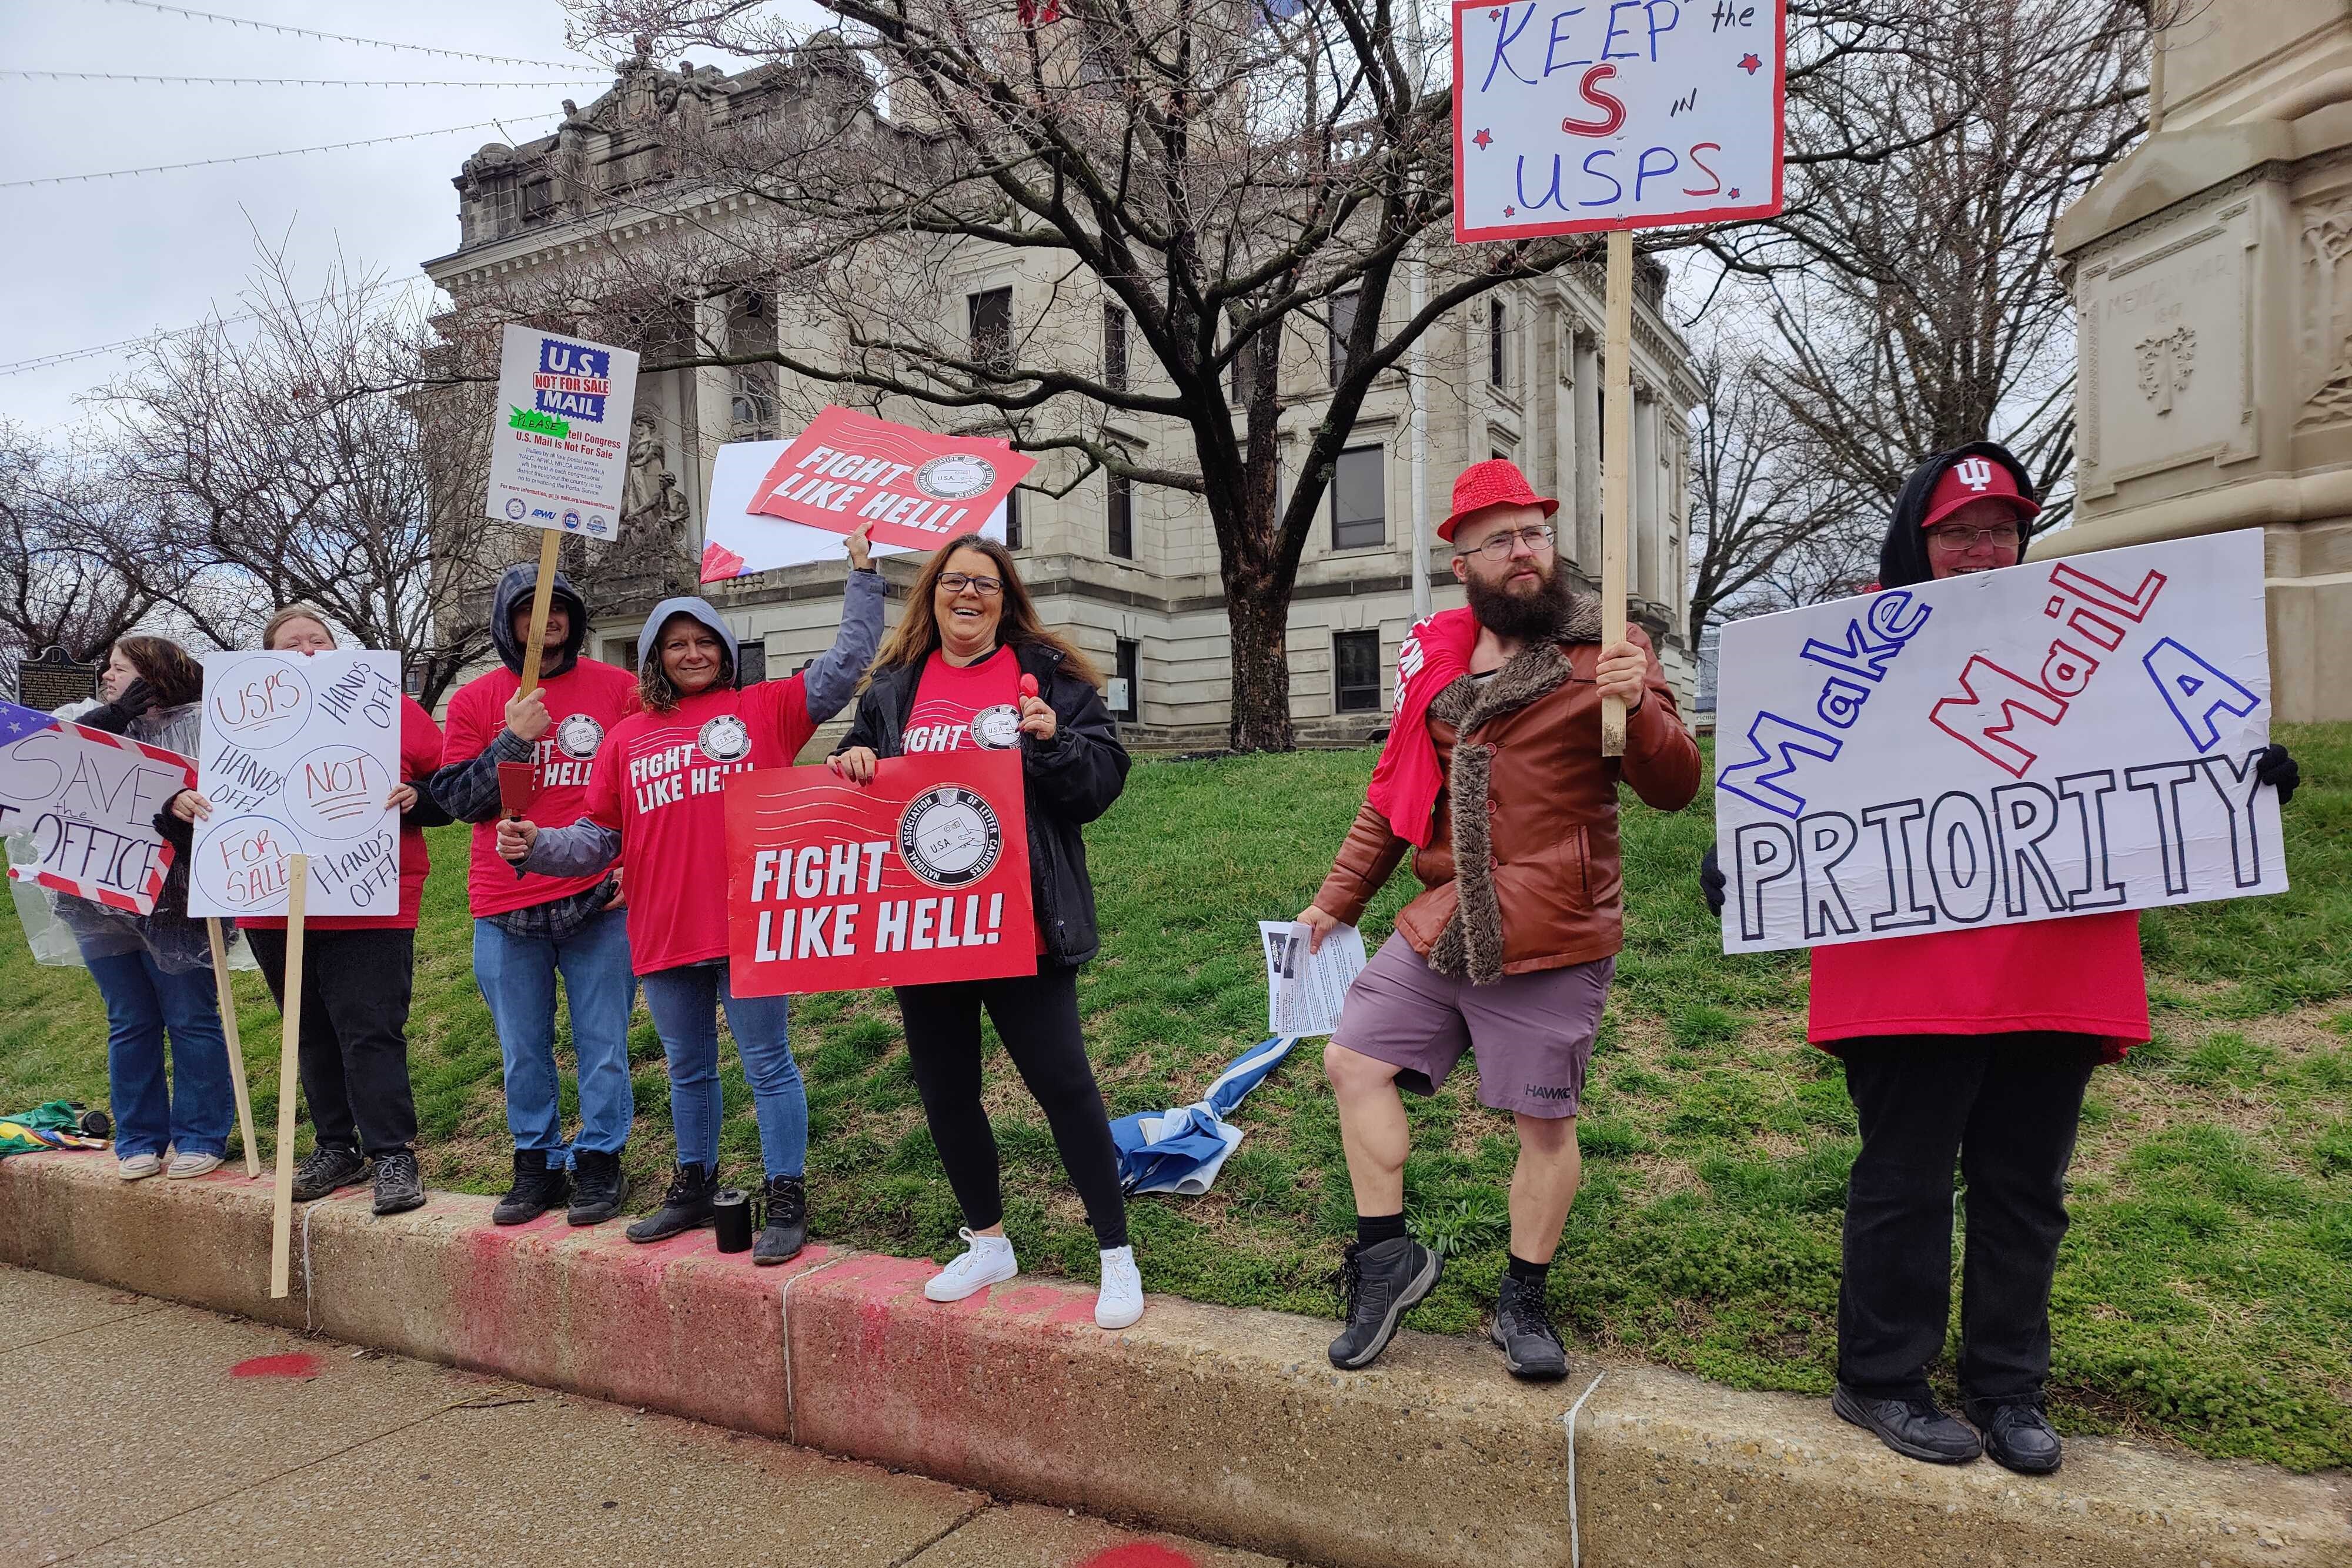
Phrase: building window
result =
(751, 663)
(1126, 698)
(1343, 327)
(1114, 347)
(1012, 519)
(992, 328)
(622, 652)
(1355, 672)
(538, 199)
(1359, 509)
(1122, 517)
(1498, 344)
(751, 406)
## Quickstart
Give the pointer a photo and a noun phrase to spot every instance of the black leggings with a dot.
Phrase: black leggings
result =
(1036, 1015)
(355, 1044)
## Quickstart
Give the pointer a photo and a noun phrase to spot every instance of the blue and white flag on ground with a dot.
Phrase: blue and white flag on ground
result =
(1181, 1150)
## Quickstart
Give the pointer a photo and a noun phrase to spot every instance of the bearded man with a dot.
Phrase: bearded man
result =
(1493, 777)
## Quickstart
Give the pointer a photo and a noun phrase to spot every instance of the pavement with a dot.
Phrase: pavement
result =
(140, 1432)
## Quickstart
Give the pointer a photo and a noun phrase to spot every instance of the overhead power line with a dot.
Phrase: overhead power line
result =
(66, 356)
(284, 152)
(340, 38)
(586, 78)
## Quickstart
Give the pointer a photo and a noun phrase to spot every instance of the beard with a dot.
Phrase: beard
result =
(1525, 616)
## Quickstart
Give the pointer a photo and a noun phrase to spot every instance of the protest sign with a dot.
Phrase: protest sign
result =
(1672, 114)
(301, 753)
(918, 488)
(88, 801)
(2055, 739)
(560, 452)
(920, 876)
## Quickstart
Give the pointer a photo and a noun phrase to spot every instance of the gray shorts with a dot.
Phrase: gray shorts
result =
(1532, 1034)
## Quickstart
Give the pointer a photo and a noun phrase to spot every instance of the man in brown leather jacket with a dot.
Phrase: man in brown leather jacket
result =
(1493, 776)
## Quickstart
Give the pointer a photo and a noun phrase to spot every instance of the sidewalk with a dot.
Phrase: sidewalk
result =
(131, 1437)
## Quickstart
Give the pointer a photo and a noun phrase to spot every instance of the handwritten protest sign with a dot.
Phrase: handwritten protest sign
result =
(300, 754)
(917, 487)
(2055, 739)
(920, 876)
(1583, 114)
(559, 456)
(88, 799)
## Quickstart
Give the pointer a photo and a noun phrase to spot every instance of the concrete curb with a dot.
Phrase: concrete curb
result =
(1222, 1424)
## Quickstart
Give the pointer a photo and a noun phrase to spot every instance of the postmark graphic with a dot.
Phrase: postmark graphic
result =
(997, 728)
(261, 702)
(725, 738)
(955, 476)
(579, 735)
(336, 792)
(949, 836)
(242, 865)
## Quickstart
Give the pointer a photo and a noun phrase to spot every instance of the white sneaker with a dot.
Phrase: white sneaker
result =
(986, 1260)
(138, 1167)
(184, 1167)
(1120, 1301)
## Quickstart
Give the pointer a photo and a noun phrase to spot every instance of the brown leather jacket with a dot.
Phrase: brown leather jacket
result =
(1521, 870)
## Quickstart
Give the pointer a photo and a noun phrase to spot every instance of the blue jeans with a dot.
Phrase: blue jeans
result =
(518, 980)
(685, 1002)
(142, 1004)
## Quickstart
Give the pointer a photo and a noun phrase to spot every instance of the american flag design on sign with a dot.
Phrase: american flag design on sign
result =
(53, 789)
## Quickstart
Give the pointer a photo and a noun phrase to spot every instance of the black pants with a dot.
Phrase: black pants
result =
(2005, 1106)
(355, 1044)
(1036, 1015)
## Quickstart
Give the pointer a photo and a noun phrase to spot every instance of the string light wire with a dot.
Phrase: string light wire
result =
(283, 152)
(294, 32)
(585, 79)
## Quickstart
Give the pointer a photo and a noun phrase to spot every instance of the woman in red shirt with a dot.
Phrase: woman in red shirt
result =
(357, 972)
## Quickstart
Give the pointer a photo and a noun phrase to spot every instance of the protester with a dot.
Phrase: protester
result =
(1972, 1046)
(657, 801)
(357, 973)
(1493, 777)
(952, 678)
(155, 971)
(528, 929)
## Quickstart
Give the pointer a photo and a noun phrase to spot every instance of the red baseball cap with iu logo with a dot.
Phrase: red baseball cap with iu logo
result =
(1976, 477)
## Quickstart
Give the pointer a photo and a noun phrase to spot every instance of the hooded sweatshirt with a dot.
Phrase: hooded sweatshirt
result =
(585, 700)
(2080, 975)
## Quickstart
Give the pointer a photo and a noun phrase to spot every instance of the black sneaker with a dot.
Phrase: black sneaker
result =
(598, 1187)
(1914, 1429)
(2018, 1437)
(1531, 1347)
(786, 1232)
(536, 1190)
(684, 1207)
(399, 1186)
(1380, 1283)
(329, 1169)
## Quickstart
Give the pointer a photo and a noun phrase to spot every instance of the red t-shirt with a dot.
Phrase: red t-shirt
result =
(585, 701)
(2081, 975)
(660, 781)
(970, 708)
(420, 755)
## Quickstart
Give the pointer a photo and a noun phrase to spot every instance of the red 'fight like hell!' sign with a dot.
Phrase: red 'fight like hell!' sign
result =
(917, 488)
(919, 877)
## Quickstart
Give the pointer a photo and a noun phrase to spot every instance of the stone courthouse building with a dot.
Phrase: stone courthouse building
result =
(2212, 269)
(1128, 571)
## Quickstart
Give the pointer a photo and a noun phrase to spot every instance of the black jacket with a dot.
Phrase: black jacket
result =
(1071, 779)
(1902, 557)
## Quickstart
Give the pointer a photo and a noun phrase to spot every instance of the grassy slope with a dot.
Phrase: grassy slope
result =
(2205, 1293)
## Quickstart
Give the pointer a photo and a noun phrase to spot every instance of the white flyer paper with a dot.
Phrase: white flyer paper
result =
(1303, 991)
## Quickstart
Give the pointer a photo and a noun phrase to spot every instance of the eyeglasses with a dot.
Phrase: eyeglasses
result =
(1958, 539)
(1497, 546)
(957, 581)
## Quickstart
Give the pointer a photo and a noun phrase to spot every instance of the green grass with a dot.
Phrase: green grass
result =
(2204, 1295)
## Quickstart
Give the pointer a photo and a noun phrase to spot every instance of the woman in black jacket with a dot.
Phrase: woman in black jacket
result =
(970, 667)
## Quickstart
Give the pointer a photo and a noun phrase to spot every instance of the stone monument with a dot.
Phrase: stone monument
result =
(2212, 272)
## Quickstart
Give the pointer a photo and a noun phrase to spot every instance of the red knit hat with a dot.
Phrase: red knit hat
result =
(1976, 477)
(1497, 482)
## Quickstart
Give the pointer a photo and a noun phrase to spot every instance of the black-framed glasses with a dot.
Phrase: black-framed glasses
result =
(1497, 546)
(957, 581)
(1958, 539)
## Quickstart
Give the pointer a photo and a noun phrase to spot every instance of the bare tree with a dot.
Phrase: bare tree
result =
(66, 578)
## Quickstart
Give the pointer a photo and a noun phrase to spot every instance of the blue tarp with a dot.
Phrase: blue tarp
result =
(1181, 1150)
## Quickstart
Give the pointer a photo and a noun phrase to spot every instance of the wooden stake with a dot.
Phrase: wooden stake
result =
(235, 1048)
(1616, 466)
(542, 597)
(289, 1074)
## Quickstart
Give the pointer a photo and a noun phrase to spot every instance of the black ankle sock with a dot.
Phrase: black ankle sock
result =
(1529, 1273)
(1372, 1229)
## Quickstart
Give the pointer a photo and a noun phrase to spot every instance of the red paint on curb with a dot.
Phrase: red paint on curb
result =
(1139, 1554)
(294, 1363)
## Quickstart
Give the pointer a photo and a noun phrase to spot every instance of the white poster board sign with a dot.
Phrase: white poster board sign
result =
(300, 754)
(2056, 738)
(1579, 114)
(86, 801)
(559, 444)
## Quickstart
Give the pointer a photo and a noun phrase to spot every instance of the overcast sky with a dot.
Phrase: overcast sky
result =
(86, 264)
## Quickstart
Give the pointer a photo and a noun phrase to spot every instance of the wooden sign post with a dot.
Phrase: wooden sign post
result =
(235, 1048)
(542, 597)
(289, 1077)
(1616, 464)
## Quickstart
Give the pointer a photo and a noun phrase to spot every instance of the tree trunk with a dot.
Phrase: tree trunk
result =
(1257, 610)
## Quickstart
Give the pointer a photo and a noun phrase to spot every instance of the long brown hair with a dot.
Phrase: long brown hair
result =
(164, 665)
(917, 635)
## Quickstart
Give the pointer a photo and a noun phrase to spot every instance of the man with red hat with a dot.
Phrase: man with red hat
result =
(1493, 779)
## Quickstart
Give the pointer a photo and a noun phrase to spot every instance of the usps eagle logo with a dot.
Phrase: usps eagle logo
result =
(956, 477)
(949, 836)
(725, 738)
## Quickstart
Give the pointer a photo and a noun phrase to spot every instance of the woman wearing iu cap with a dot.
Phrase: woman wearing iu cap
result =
(1968, 1046)
(657, 799)
(969, 666)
